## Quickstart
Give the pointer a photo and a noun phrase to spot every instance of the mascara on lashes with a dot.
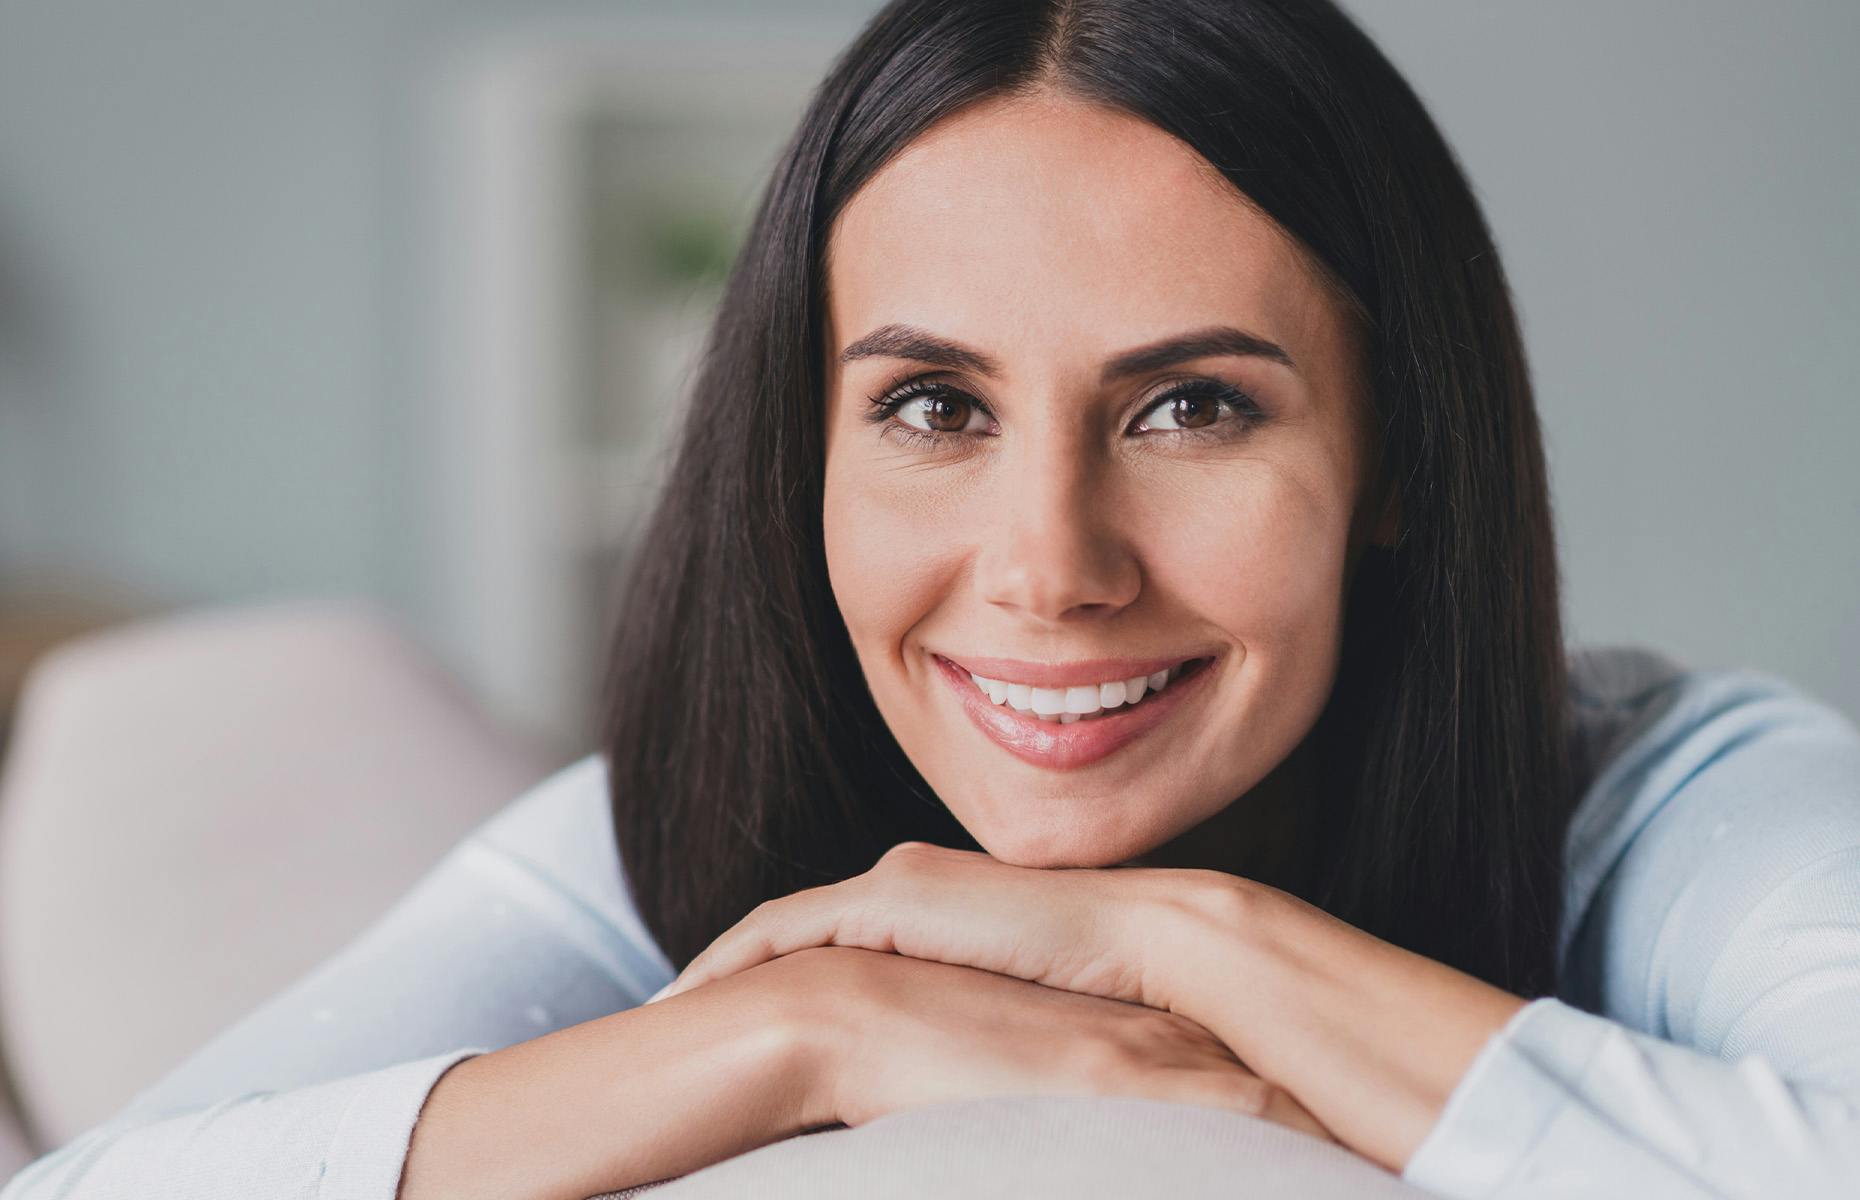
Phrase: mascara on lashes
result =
(885, 404)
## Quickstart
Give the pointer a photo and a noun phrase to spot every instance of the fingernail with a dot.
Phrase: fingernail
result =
(660, 994)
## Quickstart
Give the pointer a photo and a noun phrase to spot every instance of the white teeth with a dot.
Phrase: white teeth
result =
(1069, 704)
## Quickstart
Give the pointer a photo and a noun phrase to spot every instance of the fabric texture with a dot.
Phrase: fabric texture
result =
(176, 791)
(1013, 1147)
(1704, 1041)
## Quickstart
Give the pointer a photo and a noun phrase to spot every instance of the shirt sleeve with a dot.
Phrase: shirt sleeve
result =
(316, 1093)
(1722, 948)
(345, 1139)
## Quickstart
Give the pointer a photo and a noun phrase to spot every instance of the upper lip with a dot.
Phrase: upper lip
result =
(1076, 673)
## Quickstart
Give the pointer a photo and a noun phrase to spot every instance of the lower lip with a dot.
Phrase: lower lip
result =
(1059, 746)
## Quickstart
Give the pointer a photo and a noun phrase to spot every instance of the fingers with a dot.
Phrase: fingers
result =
(770, 930)
(829, 915)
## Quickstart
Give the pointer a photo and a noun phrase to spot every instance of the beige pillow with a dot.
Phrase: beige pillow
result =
(1027, 1147)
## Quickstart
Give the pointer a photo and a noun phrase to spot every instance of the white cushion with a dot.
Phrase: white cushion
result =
(198, 809)
(1034, 1147)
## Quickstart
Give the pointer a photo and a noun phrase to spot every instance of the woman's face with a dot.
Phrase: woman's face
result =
(1127, 441)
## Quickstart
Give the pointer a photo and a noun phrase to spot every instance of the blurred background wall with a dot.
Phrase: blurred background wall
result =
(384, 298)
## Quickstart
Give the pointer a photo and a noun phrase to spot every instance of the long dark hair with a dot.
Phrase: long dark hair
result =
(746, 757)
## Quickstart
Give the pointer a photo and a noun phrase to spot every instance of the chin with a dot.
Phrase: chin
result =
(1070, 842)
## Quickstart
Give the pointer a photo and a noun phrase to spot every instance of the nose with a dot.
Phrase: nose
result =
(1053, 551)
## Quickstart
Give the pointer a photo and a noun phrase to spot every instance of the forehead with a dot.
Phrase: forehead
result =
(1055, 218)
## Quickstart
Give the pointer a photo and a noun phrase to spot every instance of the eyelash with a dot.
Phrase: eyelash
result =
(885, 405)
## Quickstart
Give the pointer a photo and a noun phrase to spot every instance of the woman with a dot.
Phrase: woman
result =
(1100, 637)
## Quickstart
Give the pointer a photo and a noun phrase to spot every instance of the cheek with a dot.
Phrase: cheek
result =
(1262, 564)
(891, 558)
(1257, 549)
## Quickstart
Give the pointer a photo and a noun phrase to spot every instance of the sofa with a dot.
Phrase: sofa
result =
(177, 843)
(178, 808)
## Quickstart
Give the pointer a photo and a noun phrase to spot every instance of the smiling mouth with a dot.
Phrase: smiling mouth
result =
(1065, 722)
(1083, 702)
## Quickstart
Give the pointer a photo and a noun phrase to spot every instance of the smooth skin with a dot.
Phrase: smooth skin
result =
(824, 1036)
(1052, 236)
(1103, 943)
(1041, 511)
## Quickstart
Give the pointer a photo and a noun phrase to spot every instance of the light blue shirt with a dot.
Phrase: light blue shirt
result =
(1712, 932)
(1705, 1040)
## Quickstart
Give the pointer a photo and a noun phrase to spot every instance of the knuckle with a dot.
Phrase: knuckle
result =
(906, 851)
(1221, 900)
(1256, 1094)
(904, 858)
(1103, 1063)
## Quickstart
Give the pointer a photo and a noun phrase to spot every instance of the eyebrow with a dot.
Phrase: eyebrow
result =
(920, 345)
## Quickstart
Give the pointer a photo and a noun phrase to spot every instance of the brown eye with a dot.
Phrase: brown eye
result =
(923, 412)
(944, 414)
(1201, 405)
(1193, 411)
(934, 408)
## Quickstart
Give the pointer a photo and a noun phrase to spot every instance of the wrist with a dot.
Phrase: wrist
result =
(1283, 984)
(1196, 936)
(798, 1054)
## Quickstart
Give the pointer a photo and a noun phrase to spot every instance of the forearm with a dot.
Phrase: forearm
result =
(1369, 1037)
(645, 1094)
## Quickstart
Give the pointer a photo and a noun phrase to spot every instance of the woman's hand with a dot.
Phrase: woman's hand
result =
(1086, 930)
(1279, 981)
(884, 1032)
